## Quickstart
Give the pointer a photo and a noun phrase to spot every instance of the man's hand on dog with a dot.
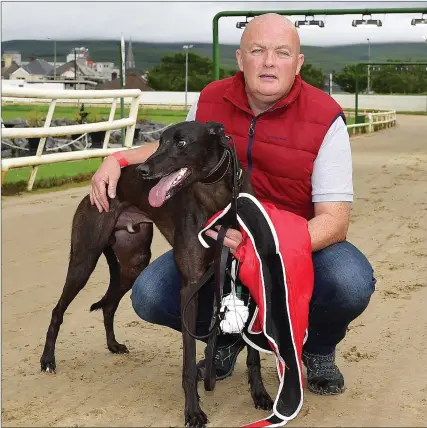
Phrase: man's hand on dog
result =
(233, 238)
(107, 174)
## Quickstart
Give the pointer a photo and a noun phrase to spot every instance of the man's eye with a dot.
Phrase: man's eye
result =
(283, 53)
(181, 143)
(256, 51)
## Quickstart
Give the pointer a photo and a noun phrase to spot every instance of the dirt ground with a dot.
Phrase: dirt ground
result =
(382, 358)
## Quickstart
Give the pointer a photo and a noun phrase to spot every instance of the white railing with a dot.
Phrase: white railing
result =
(47, 131)
(376, 121)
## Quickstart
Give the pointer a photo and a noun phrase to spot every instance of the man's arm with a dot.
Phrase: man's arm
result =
(332, 183)
(329, 224)
(108, 174)
(140, 154)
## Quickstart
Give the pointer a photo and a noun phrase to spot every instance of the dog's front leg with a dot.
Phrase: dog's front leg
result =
(194, 415)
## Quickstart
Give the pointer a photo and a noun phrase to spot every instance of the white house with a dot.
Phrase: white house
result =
(36, 69)
(20, 74)
(105, 69)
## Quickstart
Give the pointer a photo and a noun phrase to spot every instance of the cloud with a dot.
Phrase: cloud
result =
(190, 21)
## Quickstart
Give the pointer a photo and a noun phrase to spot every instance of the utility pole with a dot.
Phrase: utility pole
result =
(75, 69)
(186, 47)
(54, 60)
(122, 82)
(368, 89)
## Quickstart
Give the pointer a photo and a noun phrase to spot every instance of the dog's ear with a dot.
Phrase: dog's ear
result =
(216, 128)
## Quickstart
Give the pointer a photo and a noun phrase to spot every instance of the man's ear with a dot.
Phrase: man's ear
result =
(215, 128)
(299, 63)
(239, 59)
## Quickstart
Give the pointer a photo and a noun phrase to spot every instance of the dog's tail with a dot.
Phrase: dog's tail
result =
(114, 268)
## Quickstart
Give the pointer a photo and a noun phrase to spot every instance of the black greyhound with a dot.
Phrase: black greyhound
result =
(186, 181)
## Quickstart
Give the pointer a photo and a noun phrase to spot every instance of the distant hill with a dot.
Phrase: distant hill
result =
(147, 55)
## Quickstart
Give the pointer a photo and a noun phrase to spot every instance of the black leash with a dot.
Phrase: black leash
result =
(221, 259)
(237, 176)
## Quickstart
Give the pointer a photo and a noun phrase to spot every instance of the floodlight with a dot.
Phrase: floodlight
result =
(312, 22)
(242, 24)
(357, 22)
(416, 21)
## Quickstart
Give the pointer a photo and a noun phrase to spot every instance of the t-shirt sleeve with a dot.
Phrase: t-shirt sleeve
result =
(332, 178)
(192, 112)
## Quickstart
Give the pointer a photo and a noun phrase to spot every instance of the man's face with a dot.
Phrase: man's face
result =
(269, 58)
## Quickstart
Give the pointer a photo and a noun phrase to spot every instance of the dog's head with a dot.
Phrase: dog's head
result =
(187, 153)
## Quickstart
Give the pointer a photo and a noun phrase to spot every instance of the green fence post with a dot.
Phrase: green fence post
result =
(356, 107)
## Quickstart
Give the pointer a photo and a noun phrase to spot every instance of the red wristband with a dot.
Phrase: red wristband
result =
(122, 161)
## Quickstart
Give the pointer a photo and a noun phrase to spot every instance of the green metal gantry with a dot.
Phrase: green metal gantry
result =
(252, 13)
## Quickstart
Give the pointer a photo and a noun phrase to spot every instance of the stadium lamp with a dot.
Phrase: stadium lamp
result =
(358, 22)
(242, 24)
(308, 23)
(416, 21)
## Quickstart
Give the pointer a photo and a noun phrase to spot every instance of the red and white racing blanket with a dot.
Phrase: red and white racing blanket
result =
(275, 264)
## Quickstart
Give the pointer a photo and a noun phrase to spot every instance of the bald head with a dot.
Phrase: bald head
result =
(268, 23)
(270, 58)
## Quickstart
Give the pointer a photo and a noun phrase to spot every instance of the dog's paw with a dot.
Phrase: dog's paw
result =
(117, 348)
(196, 419)
(48, 364)
(262, 400)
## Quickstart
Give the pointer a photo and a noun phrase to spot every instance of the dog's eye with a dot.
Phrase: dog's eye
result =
(181, 143)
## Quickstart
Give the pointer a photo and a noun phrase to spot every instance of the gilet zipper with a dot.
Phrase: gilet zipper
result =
(251, 134)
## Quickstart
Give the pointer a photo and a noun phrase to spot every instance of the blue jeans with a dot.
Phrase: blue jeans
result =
(343, 285)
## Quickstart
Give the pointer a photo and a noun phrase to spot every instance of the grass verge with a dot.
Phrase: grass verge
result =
(95, 114)
(415, 113)
(49, 176)
(50, 184)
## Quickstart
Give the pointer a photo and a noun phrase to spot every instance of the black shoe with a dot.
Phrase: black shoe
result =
(225, 359)
(323, 375)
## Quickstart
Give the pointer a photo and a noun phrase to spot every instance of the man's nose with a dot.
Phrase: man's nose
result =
(269, 59)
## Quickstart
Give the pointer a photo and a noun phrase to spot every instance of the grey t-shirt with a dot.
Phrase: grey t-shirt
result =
(332, 178)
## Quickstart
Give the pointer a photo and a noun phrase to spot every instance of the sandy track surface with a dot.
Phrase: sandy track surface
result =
(382, 358)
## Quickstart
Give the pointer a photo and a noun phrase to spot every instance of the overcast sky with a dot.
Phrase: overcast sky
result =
(175, 21)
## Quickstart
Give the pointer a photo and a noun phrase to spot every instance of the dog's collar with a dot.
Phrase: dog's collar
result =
(220, 169)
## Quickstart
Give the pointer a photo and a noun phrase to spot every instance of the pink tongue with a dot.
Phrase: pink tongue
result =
(157, 194)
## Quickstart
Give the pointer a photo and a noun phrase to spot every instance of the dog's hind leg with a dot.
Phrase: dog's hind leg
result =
(79, 270)
(259, 394)
(90, 234)
(134, 252)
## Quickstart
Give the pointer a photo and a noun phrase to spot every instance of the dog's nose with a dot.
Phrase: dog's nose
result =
(144, 170)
